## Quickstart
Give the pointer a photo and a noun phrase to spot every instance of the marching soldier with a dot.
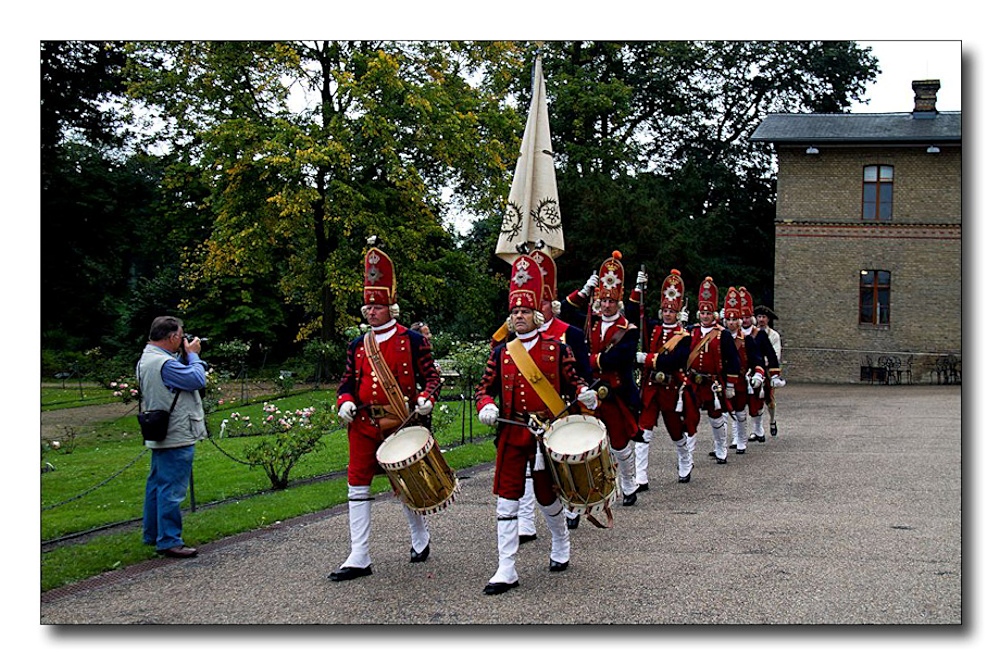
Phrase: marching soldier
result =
(771, 358)
(750, 375)
(524, 406)
(613, 344)
(713, 367)
(573, 337)
(390, 370)
(664, 383)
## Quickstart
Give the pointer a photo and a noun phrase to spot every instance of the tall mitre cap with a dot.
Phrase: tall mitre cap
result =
(746, 302)
(611, 278)
(525, 284)
(731, 307)
(708, 295)
(380, 278)
(672, 294)
(548, 267)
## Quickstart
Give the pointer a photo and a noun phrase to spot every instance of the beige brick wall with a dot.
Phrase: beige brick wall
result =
(821, 245)
(827, 187)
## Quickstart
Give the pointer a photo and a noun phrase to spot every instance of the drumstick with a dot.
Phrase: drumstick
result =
(507, 421)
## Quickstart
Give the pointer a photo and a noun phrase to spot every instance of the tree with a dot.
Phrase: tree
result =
(652, 139)
(295, 188)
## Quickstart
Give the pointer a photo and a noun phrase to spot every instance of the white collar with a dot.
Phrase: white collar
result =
(385, 331)
(529, 339)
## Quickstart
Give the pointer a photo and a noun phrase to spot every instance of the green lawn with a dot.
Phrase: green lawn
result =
(101, 479)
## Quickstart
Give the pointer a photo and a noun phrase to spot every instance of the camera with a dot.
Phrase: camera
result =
(190, 338)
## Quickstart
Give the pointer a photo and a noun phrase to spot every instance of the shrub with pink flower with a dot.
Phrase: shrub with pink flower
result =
(282, 437)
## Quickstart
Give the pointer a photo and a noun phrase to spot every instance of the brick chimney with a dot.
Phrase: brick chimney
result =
(925, 96)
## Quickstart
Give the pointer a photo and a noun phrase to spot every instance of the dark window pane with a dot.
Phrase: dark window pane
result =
(867, 277)
(866, 315)
(885, 201)
(883, 277)
(883, 306)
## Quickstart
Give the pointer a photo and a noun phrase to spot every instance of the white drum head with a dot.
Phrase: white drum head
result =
(403, 445)
(575, 435)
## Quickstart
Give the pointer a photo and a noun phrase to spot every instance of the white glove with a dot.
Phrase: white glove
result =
(488, 415)
(756, 380)
(640, 279)
(683, 316)
(589, 286)
(588, 398)
(777, 382)
(424, 406)
(730, 391)
(640, 357)
(347, 412)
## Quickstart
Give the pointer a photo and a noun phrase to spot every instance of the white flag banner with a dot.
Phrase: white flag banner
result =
(532, 211)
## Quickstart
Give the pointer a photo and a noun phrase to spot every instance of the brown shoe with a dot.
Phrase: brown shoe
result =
(179, 552)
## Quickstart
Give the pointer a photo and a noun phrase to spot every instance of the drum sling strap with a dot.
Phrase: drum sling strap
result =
(397, 402)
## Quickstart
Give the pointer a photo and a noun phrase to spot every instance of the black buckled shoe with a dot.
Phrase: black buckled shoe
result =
(685, 479)
(630, 499)
(774, 428)
(526, 538)
(345, 574)
(741, 452)
(418, 557)
(643, 487)
(573, 522)
(496, 588)
(556, 567)
(732, 446)
(721, 460)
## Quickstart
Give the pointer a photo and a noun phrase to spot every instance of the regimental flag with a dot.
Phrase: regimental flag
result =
(532, 211)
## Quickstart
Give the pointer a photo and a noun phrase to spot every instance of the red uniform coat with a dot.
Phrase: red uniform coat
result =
(408, 355)
(517, 446)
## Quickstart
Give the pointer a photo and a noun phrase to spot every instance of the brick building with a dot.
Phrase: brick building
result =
(868, 241)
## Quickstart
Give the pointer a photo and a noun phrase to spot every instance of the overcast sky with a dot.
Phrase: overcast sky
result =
(903, 62)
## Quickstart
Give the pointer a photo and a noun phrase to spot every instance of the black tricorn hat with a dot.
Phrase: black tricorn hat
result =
(765, 310)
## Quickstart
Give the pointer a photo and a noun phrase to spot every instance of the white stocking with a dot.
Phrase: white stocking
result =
(506, 541)
(626, 467)
(560, 532)
(419, 534)
(359, 510)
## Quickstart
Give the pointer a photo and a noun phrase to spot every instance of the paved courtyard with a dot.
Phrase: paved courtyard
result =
(852, 515)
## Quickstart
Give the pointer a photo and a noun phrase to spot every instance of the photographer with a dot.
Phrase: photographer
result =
(170, 374)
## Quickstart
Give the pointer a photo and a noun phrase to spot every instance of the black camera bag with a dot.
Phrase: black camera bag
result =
(154, 423)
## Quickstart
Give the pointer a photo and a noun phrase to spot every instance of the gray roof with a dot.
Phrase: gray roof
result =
(942, 127)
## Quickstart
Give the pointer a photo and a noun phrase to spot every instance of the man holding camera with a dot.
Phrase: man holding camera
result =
(170, 376)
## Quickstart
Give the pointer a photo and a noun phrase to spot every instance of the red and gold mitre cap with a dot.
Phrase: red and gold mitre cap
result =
(731, 307)
(708, 296)
(746, 302)
(525, 284)
(380, 279)
(672, 294)
(548, 267)
(611, 278)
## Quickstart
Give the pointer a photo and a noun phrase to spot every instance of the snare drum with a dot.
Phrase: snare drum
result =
(579, 453)
(417, 470)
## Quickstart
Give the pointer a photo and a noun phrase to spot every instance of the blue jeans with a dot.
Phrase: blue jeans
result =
(169, 473)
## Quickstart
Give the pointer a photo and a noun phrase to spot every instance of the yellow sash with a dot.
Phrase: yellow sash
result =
(535, 377)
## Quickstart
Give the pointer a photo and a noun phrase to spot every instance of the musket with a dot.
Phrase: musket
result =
(642, 312)
(590, 310)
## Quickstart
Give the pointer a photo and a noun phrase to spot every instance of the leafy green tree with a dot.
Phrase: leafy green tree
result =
(308, 148)
(652, 143)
